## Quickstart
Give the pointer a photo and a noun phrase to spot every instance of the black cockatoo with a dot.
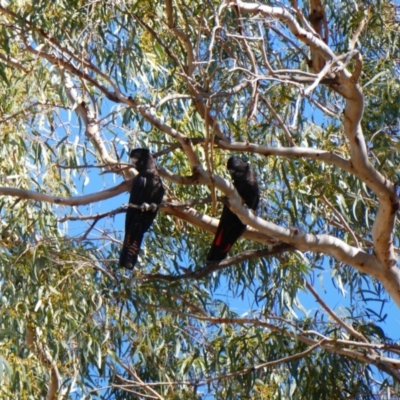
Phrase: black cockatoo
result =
(147, 191)
(230, 227)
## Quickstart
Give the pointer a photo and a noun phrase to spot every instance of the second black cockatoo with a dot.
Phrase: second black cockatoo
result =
(230, 227)
(147, 191)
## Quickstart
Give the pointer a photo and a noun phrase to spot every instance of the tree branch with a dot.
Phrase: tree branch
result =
(338, 320)
(293, 152)
(336, 346)
(67, 201)
(213, 267)
(347, 87)
(45, 357)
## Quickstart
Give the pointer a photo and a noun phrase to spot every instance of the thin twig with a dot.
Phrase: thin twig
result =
(357, 32)
(342, 220)
(213, 267)
(343, 324)
(209, 159)
(282, 124)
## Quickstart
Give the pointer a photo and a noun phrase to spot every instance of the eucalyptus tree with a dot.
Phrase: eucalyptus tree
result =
(308, 93)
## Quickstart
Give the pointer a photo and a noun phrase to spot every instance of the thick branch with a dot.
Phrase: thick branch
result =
(210, 224)
(347, 87)
(326, 244)
(293, 152)
(67, 201)
(92, 131)
(300, 240)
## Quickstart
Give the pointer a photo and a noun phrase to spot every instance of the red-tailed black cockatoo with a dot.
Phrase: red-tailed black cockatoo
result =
(147, 192)
(230, 227)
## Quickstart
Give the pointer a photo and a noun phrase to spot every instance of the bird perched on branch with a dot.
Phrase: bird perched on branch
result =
(147, 192)
(230, 227)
